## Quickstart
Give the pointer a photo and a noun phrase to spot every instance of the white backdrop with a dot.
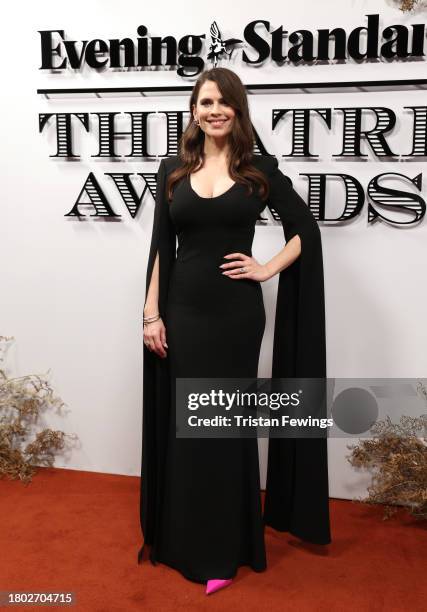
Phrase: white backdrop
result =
(72, 292)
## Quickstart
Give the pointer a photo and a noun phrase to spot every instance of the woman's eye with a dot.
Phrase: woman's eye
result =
(207, 102)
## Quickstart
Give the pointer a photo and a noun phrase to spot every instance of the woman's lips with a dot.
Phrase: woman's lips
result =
(217, 122)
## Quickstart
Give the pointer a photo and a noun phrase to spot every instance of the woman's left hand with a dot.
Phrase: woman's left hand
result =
(252, 269)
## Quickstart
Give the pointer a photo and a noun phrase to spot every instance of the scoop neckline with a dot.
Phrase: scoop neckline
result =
(212, 197)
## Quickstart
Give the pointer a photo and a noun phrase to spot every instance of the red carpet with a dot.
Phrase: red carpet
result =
(79, 531)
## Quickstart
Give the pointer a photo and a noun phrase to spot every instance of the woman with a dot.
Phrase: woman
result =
(204, 317)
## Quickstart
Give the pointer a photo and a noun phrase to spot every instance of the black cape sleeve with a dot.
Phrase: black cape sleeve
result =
(156, 372)
(297, 494)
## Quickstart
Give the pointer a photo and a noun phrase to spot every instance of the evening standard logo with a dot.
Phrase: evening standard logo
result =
(261, 42)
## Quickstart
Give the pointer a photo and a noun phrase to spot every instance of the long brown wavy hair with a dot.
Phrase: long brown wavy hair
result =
(241, 137)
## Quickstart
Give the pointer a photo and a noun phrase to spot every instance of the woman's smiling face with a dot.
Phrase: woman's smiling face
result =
(212, 112)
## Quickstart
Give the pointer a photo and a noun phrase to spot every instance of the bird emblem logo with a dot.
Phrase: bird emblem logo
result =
(219, 46)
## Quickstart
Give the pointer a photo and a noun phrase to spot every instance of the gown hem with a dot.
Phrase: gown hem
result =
(192, 577)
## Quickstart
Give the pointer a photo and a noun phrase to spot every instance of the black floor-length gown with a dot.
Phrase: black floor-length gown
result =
(200, 498)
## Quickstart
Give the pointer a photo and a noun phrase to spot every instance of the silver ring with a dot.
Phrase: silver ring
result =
(243, 270)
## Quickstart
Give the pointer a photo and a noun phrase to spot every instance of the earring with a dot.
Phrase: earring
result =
(196, 122)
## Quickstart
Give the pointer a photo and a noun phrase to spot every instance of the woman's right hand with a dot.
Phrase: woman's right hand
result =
(155, 337)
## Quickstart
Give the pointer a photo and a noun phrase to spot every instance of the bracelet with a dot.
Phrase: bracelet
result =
(151, 319)
(150, 316)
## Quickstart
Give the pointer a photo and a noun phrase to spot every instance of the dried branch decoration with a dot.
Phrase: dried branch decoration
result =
(398, 458)
(22, 400)
(410, 5)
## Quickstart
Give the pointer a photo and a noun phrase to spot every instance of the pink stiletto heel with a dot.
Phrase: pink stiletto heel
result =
(216, 585)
